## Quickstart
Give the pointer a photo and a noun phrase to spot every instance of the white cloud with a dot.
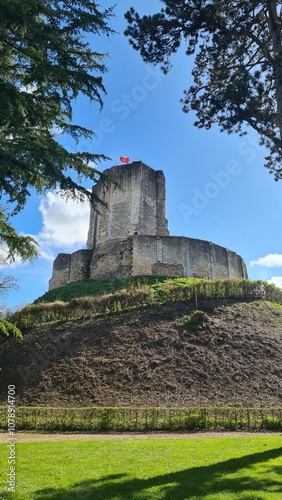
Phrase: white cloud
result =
(270, 260)
(276, 280)
(65, 223)
(3, 253)
(29, 89)
(4, 261)
(64, 228)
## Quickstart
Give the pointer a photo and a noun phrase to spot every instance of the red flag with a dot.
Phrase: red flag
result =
(124, 159)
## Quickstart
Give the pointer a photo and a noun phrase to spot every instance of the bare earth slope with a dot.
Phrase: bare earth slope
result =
(151, 357)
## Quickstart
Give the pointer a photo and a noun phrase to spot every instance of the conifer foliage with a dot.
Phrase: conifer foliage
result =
(46, 62)
(237, 67)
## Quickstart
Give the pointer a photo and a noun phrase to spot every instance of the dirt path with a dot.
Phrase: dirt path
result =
(29, 437)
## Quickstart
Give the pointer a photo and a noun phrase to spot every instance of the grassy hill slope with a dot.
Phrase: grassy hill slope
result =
(163, 354)
(95, 288)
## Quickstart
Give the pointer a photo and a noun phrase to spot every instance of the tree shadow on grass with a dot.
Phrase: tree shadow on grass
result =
(181, 485)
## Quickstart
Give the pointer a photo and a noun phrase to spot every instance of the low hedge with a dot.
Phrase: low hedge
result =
(97, 419)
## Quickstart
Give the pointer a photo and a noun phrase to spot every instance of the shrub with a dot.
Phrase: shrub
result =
(141, 294)
(7, 328)
(145, 419)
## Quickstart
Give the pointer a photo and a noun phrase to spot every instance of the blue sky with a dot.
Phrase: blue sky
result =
(217, 187)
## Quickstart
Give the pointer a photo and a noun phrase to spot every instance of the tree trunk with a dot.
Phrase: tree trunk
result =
(275, 33)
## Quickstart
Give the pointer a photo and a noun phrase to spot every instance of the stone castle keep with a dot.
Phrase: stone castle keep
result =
(130, 237)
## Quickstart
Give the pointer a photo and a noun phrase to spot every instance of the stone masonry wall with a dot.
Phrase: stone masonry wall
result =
(80, 262)
(182, 256)
(61, 271)
(112, 259)
(136, 206)
(149, 255)
(68, 268)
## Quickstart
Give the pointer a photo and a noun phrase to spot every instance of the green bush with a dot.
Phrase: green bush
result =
(138, 294)
(7, 329)
(145, 419)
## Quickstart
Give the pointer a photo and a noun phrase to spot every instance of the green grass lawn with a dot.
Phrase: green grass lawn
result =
(176, 469)
(92, 287)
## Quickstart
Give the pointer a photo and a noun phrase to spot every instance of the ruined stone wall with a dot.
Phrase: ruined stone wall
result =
(112, 259)
(161, 222)
(165, 256)
(149, 255)
(136, 206)
(61, 271)
(68, 268)
(182, 256)
(80, 264)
